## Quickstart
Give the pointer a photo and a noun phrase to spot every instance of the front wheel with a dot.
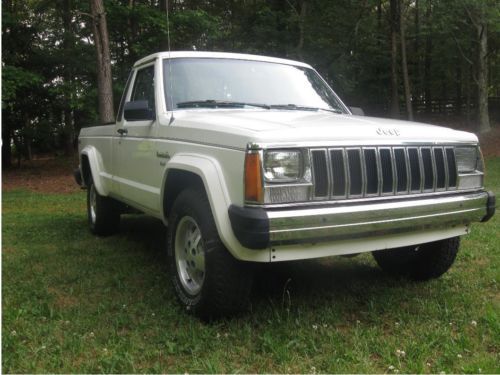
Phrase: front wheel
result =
(207, 279)
(422, 262)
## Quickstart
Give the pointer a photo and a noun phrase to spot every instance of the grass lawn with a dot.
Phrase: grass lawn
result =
(72, 302)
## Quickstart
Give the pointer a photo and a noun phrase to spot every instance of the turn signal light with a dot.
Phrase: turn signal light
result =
(253, 178)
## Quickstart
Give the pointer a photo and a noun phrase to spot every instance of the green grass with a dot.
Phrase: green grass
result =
(72, 302)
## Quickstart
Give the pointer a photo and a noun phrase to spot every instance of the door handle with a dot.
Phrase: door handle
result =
(122, 131)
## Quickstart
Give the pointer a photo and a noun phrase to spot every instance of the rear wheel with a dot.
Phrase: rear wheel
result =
(207, 279)
(102, 212)
(422, 262)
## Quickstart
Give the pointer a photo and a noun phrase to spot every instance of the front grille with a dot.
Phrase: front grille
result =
(354, 172)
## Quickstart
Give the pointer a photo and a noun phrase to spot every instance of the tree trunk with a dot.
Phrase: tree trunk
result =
(417, 81)
(394, 61)
(27, 146)
(27, 138)
(6, 146)
(404, 65)
(379, 23)
(428, 59)
(19, 149)
(302, 21)
(68, 131)
(458, 89)
(104, 78)
(482, 77)
(468, 94)
(132, 32)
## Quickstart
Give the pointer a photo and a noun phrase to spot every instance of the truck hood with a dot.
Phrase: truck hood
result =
(237, 128)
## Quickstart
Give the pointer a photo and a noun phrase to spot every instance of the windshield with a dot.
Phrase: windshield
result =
(223, 83)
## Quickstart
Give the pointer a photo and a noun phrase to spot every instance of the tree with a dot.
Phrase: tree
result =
(476, 11)
(104, 77)
(394, 21)
(68, 41)
(404, 62)
(438, 51)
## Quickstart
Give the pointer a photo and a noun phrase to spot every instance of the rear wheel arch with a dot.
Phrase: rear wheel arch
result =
(91, 167)
(86, 170)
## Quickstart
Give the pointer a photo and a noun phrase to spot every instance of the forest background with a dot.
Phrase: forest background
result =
(431, 60)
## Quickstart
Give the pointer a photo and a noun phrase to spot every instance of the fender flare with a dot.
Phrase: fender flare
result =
(210, 172)
(96, 168)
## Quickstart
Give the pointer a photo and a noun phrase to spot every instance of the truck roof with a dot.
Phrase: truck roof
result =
(217, 55)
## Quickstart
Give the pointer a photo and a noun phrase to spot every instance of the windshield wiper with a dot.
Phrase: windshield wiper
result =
(210, 103)
(295, 107)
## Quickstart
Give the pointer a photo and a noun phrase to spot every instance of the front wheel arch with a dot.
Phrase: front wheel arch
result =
(176, 181)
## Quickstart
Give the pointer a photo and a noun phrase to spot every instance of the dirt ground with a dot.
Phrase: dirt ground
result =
(43, 174)
(49, 174)
(490, 142)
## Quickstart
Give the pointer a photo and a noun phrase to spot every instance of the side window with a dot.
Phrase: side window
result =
(144, 86)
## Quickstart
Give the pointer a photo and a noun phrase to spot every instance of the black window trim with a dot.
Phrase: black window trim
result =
(137, 71)
(119, 116)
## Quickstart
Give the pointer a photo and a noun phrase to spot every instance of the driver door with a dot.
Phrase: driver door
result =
(135, 154)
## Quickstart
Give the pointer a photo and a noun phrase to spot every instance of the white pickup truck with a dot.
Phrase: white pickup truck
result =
(255, 159)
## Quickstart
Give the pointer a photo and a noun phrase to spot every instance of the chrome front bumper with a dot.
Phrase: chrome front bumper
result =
(258, 228)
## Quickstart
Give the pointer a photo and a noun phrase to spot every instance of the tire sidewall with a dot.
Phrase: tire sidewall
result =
(92, 224)
(187, 205)
(430, 261)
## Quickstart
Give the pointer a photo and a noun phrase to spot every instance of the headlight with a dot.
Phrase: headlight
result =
(285, 178)
(467, 158)
(283, 166)
(470, 167)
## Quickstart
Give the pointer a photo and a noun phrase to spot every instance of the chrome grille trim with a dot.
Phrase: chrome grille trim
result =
(400, 167)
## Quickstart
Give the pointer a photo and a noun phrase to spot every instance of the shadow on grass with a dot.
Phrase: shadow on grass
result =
(336, 278)
(146, 230)
(140, 246)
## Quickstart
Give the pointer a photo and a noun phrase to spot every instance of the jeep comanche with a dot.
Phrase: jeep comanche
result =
(255, 159)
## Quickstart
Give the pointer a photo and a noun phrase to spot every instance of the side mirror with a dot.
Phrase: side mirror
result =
(356, 111)
(138, 110)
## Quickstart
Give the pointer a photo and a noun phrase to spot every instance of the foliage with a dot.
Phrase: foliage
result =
(15, 80)
(49, 59)
(73, 302)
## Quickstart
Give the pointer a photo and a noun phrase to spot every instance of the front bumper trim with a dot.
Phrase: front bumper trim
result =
(258, 228)
(490, 207)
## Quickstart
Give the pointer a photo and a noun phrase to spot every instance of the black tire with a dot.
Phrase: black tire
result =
(219, 286)
(423, 262)
(102, 212)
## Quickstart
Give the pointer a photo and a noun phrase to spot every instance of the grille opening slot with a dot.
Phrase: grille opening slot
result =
(371, 171)
(399, 156)
(440, 168)
(355, 172)
(320, 173)
(338, 172)
(428, 169)
(416, 177)
(452, 167)
(386, 165)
